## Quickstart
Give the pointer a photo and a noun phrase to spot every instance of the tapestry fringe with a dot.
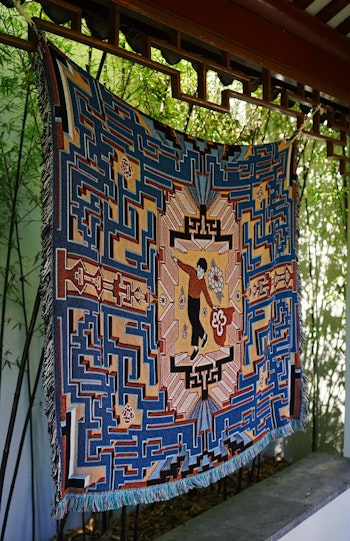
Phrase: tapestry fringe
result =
(304, 412)
(47, 264)
(108, 501)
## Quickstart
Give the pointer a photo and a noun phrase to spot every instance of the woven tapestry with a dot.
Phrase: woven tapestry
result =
(171, 302)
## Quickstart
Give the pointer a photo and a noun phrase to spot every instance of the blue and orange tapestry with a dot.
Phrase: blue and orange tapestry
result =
(171, 302)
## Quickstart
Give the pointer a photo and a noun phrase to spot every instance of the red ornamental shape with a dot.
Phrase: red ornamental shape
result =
(219, 319)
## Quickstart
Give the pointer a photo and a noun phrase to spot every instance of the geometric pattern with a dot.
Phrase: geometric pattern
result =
(131, 210)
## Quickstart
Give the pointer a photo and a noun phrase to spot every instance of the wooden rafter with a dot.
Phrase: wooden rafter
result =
(212, 43)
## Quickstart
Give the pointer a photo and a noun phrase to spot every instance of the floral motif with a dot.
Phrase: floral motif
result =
(126, 168)
(128, 414)
(182, 299)
(163, 300)
(216, 280)
(219, 321)
(287, 275)
(184, 331)
(261, 379)
(260, 193)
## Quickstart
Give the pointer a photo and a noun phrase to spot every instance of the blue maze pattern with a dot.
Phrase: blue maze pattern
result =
(115, 171)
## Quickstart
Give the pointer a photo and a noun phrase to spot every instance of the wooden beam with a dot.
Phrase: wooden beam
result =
(19, 43)
(272, 33)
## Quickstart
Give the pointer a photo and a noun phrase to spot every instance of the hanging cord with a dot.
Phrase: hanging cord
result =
(23, 12)
(301, 128)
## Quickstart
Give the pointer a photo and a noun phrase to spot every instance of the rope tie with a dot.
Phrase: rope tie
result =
(23, 12)
(307, 118)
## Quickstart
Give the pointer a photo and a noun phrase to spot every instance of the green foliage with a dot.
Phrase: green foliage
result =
(20, 158)
(323, 266)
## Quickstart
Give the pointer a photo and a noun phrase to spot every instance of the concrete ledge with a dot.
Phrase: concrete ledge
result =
(273, 507)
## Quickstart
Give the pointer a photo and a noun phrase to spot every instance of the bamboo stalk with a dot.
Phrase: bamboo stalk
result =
(22, 279)
(123, 524)
(11, 232)
(136, 523)
(21, 445)
(20, 377)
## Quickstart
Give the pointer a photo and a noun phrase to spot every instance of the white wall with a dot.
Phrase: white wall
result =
(331, 522)
(19, 522)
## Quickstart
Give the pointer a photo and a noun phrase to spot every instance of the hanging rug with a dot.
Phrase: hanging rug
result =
(170, 293)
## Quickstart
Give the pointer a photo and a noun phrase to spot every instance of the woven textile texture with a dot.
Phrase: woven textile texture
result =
(171, 299)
